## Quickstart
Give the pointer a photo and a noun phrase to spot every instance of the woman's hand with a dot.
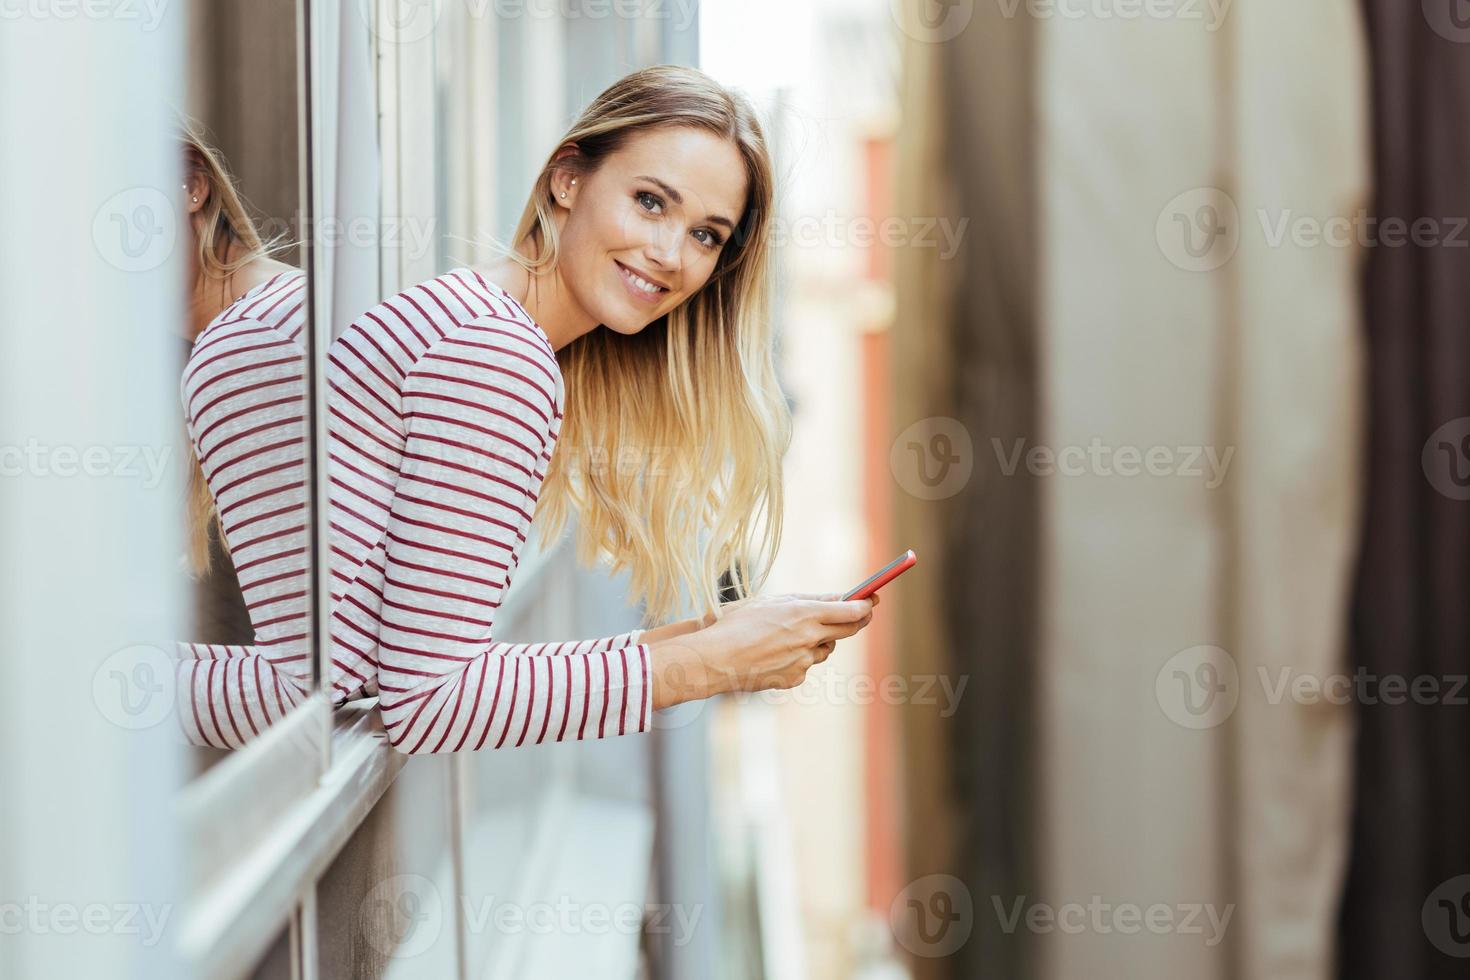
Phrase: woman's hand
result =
(755, 644)
(710, 618)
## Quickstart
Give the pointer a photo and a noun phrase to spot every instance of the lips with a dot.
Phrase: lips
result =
(633, 282)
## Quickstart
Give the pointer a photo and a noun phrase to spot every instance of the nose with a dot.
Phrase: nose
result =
(665, 251)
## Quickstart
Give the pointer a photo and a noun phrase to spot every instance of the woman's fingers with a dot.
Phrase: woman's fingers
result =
(842, 611)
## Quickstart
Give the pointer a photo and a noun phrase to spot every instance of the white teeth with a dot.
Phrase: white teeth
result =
(640, 282)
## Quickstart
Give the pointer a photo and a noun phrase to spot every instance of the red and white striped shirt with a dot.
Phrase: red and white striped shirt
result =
(445, 405)
(244, 400)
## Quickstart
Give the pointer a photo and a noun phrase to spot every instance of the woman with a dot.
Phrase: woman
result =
(630, 315)
(244, 406)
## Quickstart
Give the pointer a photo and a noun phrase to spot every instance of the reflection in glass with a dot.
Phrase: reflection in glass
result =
(244, 400)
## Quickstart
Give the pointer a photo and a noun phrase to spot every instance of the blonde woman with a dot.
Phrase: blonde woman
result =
(243, 396)
(630, 317)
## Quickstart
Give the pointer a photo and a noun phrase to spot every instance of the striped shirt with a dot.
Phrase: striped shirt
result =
(445, 403)
(244, 400)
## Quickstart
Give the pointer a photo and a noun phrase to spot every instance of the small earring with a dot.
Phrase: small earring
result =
(194, 199)
(563, 193)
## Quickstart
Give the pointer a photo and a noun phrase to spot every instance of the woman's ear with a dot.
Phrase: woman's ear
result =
(564, 187)
(196, 192)
(564, 182)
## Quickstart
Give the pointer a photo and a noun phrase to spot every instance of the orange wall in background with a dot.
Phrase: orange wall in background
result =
(883, 787)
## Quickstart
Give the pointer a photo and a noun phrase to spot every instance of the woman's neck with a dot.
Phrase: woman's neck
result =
(211, 296)
(545, 297)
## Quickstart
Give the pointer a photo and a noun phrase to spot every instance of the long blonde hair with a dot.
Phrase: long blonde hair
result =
(221, 226)
(694, 395)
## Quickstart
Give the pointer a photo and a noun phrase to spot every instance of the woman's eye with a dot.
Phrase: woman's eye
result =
(711, 240)
(643, 196)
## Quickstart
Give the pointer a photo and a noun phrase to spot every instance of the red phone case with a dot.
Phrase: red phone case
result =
(884, 575)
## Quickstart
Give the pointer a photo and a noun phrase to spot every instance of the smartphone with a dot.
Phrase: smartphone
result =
(884, 575)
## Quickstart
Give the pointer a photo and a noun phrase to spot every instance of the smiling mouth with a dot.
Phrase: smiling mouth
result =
(640, 286)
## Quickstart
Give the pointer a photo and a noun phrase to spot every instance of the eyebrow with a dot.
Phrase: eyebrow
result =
(679, 199)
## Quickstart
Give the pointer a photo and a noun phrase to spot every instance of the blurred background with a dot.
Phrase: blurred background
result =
(1143, 322)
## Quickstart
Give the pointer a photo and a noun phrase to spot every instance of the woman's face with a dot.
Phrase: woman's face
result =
(661, 209)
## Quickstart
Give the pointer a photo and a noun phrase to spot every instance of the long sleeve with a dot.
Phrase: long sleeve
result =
(569, 647)
(480, 416)
(244, 401)
(227, 694)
